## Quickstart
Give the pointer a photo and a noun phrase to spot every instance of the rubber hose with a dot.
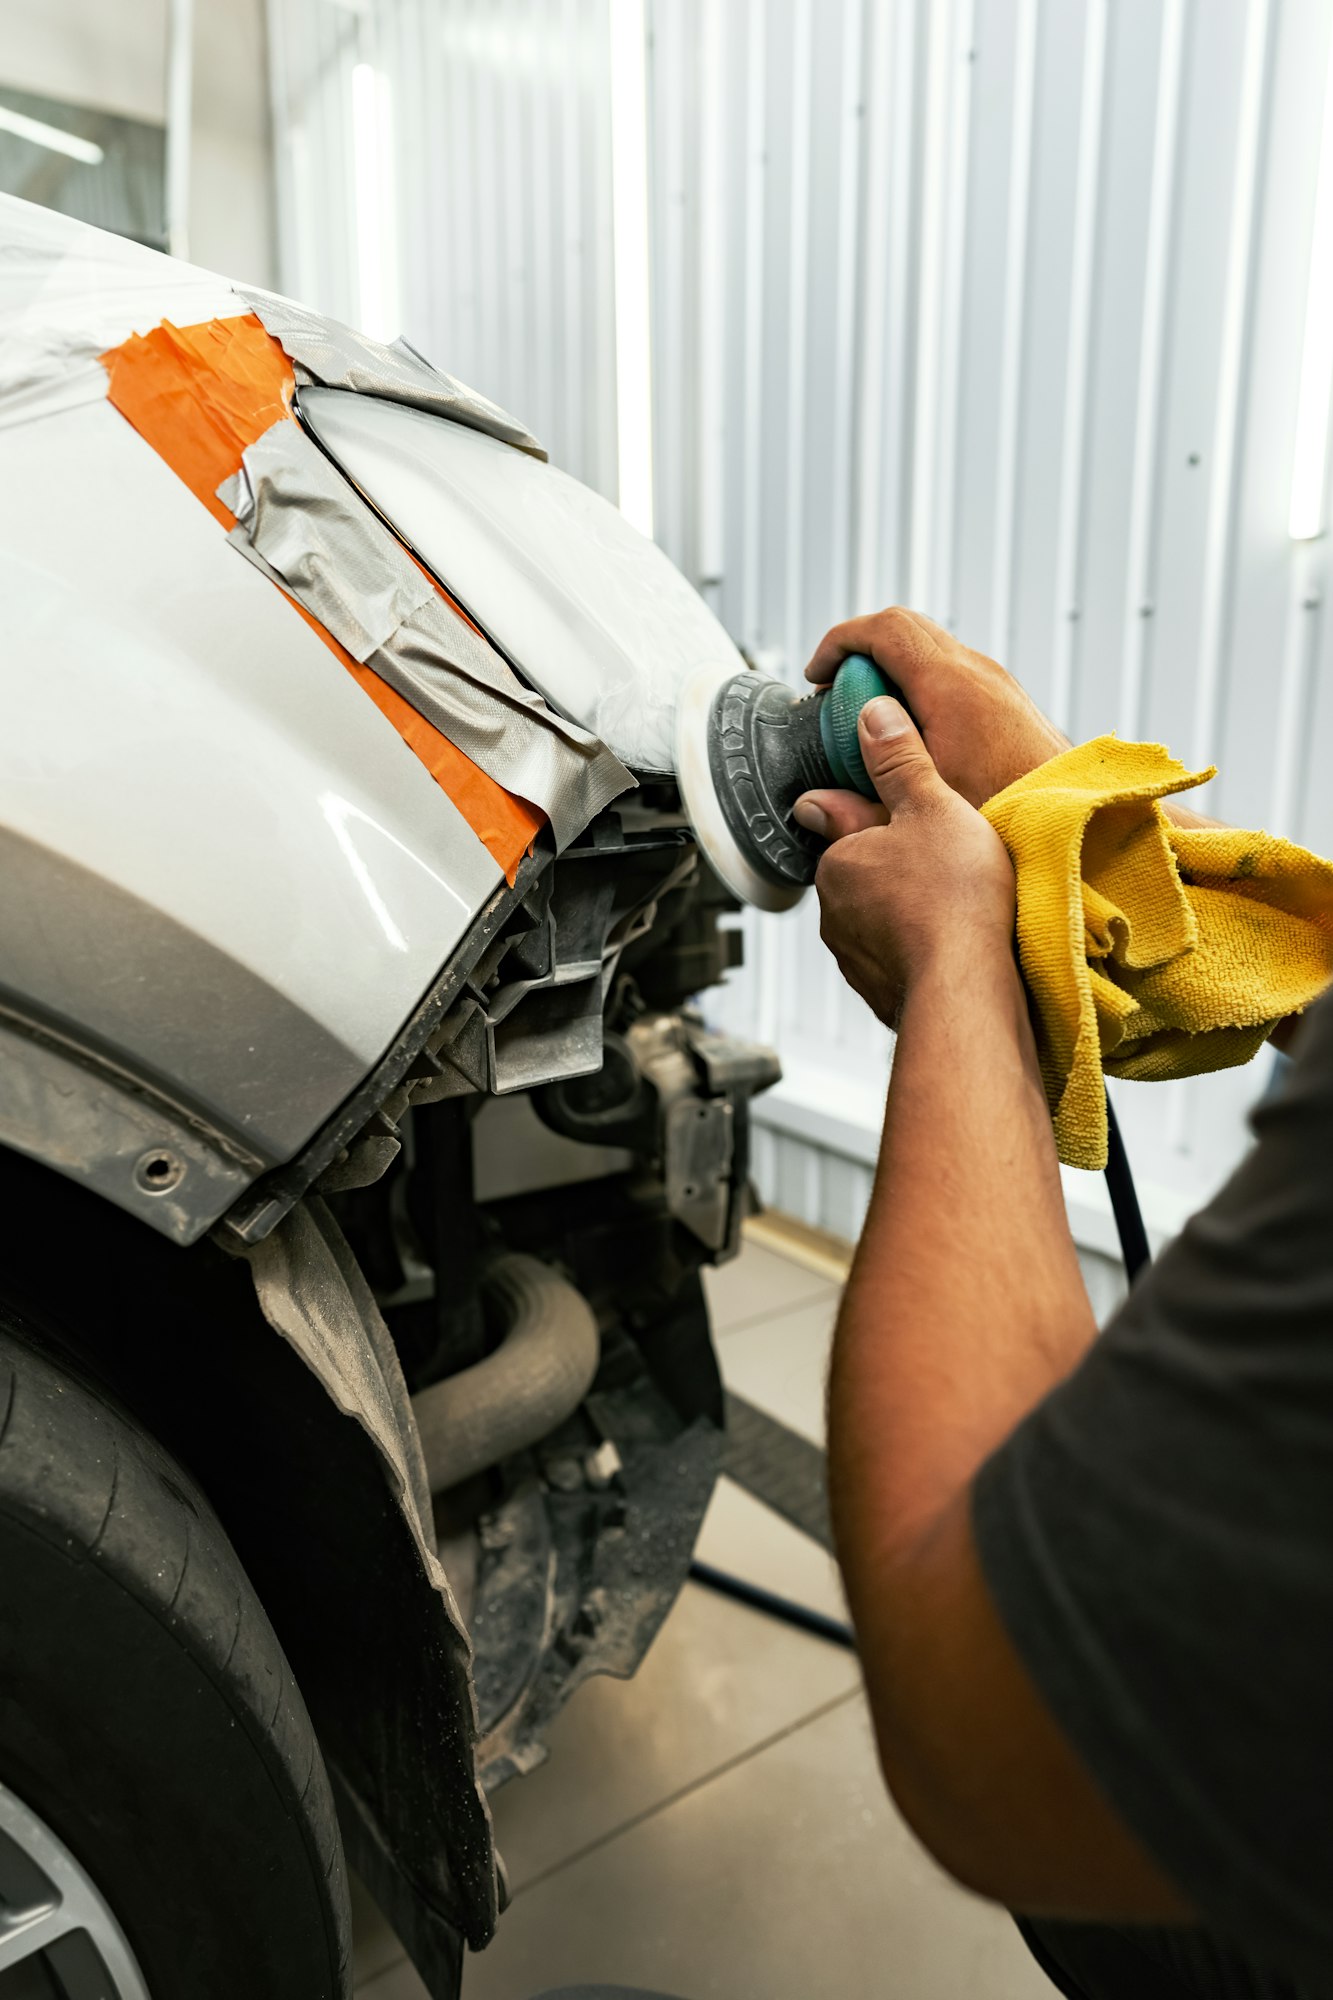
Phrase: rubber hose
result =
(537, 1376)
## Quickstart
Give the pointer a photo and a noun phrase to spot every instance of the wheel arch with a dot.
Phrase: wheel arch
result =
(178, 1336)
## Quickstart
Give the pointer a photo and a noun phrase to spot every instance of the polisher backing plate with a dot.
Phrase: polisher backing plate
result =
(694, 711)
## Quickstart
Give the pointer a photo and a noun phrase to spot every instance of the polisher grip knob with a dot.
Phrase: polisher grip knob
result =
(857, 681)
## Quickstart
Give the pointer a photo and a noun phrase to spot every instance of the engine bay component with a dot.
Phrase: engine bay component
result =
(537, 1376)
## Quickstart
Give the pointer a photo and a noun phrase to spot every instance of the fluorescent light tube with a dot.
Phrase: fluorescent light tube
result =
(1309, 471)
(51, 136)
(629, 215)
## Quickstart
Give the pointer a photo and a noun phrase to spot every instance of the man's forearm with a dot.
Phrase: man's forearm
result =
(965, 1302)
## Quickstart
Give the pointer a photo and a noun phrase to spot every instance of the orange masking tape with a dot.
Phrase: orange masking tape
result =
(199, 395)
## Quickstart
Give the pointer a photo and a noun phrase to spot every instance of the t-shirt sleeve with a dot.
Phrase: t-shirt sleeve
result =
(1158, 1539)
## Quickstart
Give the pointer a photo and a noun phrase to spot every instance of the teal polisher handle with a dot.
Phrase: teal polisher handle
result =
(857, 681)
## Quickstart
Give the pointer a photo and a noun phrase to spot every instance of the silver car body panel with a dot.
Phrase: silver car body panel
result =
(221, 869)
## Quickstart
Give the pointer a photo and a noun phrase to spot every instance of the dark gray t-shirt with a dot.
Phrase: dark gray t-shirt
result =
(1158, 1538)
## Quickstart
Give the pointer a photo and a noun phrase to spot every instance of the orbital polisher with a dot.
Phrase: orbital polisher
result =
(747, 747)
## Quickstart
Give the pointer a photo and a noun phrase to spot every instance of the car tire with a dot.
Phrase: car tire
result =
(148, 1718)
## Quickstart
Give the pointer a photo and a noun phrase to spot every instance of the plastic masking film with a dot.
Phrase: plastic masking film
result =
(68, 292)
(200, 395)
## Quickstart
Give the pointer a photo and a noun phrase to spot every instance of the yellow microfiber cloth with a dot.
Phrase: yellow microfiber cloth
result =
(1150, 950)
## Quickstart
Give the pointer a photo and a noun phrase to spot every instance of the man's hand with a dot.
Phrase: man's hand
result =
(980, 727)
(917, 876)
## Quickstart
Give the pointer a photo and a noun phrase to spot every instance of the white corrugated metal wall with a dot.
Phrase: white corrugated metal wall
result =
(990, 306)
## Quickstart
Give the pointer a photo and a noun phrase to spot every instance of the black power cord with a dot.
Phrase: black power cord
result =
(803, 1616)
(1124, 1200)
(1136, 1254)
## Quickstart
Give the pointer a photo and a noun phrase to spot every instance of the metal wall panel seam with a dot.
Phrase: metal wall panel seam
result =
(1073, 466)
(527, 303)
(1295, 688)
(951, 307)
(575, 248)
(666, 160)
(313, 239)
(565, 69)
(540, 202)
(680, 313)
(398, 191)
(813, 1190)
(451, 252)
(476, 190)
(1218, 581)
(284, 130)
(482, 178)
(879, 138)
(537, 206)
(535, 203)
(347, 56)
(438, 251)
(179, 150)
(930, 306)
(1313, 830)
(768, 939)
(755, 177)
(399, 177)
(691, 125)
(852, 113)
(456, 258)
(319, 89)
(607, 461)
(509, 82)
(295, 257)
(333, 82)
(798, 311)
(711, 324)
(1140, 580)
(1014, 331)
(913, 52)
(543, 218)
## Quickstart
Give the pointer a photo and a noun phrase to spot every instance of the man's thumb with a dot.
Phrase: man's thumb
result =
(896, 758)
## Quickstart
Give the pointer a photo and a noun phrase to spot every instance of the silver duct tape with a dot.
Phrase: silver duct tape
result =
(341, 358)
(304, 526)
(506, 729)
(298, 512)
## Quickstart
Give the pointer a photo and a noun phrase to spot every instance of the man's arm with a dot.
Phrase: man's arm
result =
(964, 1306)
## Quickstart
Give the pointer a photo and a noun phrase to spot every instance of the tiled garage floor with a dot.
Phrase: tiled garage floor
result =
(717, 1826)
